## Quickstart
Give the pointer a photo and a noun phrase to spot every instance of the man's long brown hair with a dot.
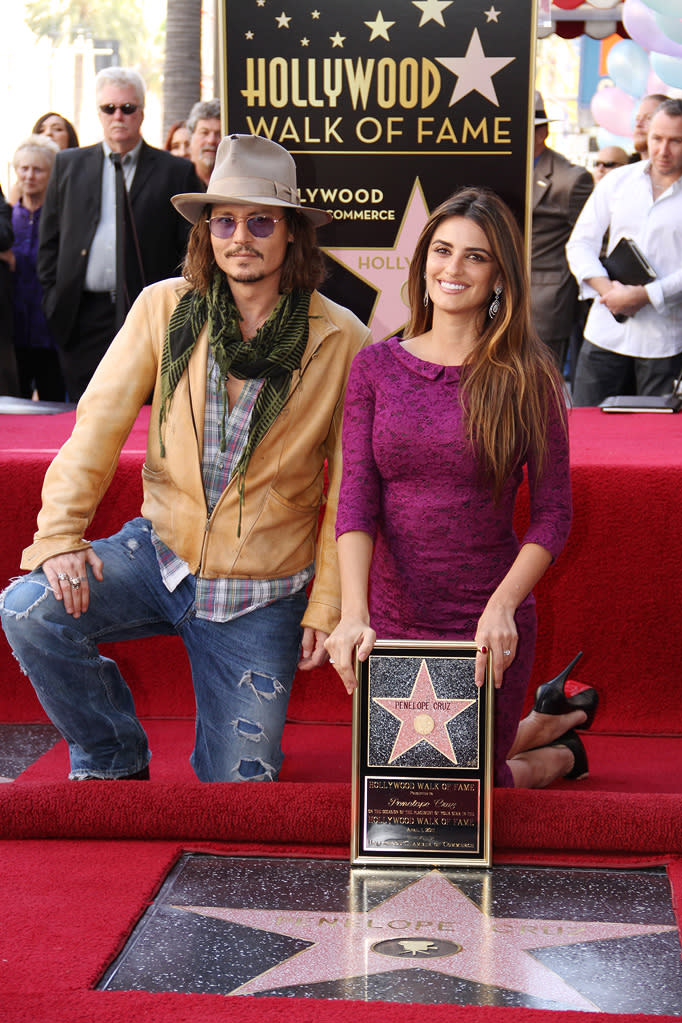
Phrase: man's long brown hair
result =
(511, 379)
(303, 268)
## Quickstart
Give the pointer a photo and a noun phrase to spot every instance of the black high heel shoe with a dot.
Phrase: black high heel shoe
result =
(552, 697)
(572, 741)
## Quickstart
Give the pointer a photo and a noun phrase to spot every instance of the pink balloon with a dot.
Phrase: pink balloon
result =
(641, 25)
(655, 85)
(612, 109)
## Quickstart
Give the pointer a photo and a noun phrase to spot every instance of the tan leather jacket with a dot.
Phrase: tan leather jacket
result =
(285, 475)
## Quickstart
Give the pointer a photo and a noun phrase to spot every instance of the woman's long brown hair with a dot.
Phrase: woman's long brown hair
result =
(511, 381)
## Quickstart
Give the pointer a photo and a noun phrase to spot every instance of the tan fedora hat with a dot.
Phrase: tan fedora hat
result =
(249, 169)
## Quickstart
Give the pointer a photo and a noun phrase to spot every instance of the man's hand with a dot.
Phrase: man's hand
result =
(313, 653)
(67, 575)
(625, 299)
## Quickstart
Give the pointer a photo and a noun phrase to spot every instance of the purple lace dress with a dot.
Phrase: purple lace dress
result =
(441, 545)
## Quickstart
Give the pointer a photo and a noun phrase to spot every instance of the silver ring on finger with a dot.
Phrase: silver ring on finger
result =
(507, 653)
(62, 576)
(75, 582)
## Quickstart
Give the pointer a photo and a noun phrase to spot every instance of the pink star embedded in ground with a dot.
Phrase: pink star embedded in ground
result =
(487, 950)
(423, 716)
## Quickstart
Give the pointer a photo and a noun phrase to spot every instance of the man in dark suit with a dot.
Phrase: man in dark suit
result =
(560, 190)
(77, 263)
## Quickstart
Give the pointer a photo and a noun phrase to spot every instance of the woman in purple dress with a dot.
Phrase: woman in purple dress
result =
(437, 430)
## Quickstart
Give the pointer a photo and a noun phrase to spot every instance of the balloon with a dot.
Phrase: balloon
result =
(628, 66)
(668, 68)
(655, 85)
(673, 8)
(641, 26)
(607, 138)
(612, 109)
(670, 27)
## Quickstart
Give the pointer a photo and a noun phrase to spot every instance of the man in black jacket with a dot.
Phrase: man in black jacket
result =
(77, 254)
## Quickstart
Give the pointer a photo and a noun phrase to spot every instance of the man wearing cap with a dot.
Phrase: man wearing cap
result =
(560, 190)
(247, 362)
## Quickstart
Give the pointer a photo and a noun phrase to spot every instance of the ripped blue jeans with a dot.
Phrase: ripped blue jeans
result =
(242, 670)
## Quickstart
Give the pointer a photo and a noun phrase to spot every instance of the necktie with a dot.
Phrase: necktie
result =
(121, 289)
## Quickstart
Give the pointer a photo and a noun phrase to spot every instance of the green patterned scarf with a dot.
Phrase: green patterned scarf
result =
(273, 355)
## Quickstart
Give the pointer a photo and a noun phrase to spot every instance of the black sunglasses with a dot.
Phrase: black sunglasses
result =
(259, 226)
(607, 164)
(125, 108)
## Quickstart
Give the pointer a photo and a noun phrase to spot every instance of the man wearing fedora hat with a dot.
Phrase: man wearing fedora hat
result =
(560, 190)
(247, 362)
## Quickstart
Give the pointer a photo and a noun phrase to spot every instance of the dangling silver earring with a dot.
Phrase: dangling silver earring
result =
(494, 307)
(426, 293)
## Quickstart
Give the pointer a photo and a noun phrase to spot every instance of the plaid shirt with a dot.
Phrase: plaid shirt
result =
(219, 600)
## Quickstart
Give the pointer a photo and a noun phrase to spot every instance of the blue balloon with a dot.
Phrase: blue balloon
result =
(607, 138)
(673, 8)
(670, 27)
(668, 69)
(628, 65)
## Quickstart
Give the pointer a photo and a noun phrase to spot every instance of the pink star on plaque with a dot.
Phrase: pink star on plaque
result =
(423, 716)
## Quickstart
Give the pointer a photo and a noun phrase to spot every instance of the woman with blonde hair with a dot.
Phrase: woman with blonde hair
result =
(438, 429)
(36, 353)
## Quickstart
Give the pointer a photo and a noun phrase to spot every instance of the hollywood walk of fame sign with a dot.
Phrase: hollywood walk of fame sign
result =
(422, 756)
(386, 109)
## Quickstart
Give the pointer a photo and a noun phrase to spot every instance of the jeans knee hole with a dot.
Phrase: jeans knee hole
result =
(255, 770)
(265, 687)
(22, 596)
(249, 730)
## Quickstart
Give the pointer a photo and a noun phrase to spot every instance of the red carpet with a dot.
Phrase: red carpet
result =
(78, 903)
(81, 861)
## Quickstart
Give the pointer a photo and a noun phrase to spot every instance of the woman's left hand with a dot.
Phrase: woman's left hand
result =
(496, 634)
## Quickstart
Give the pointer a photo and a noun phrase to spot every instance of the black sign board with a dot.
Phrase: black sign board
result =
(386, 109)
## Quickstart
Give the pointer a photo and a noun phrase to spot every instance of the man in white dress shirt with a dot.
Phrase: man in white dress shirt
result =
(643, 201)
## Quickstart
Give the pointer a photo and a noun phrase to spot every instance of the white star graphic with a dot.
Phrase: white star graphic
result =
(314, 15)
(338, 40)
(379, 27)
(485, 949)
(305, 42)
(387, 269)
(283, 20)
(474, 71)
(432, 10)
(260, 3)
(492, 15)
(248, 35)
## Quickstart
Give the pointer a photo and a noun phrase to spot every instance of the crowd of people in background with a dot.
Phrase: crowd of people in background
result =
(59, 311)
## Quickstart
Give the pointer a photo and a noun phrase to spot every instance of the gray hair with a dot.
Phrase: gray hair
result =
(42, 144)
(671, 107)
(204, 110)
(124, 78)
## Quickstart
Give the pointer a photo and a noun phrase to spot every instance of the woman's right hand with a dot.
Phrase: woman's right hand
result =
(341, 644)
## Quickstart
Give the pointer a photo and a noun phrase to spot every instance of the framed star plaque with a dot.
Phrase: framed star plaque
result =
(422, 756)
